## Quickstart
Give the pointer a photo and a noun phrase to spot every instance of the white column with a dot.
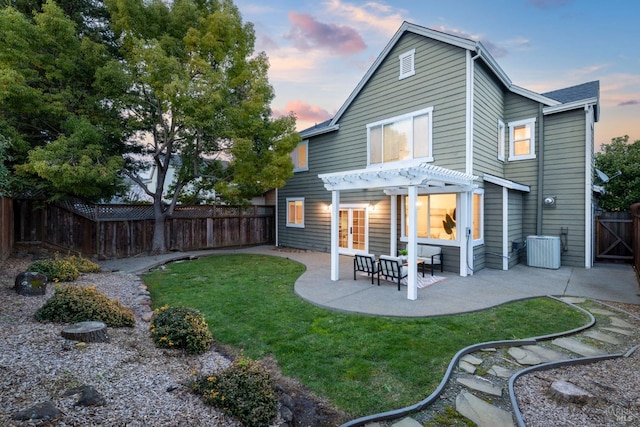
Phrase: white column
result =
(464, 227)
(335, 219)
(393, 227)
(412, 246)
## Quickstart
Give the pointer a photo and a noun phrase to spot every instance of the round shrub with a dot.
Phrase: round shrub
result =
(84, 265)
(245, 390)
(181, 327)
(56, 270)
(72, 304)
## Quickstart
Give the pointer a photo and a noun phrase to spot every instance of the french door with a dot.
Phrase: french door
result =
(353, 230)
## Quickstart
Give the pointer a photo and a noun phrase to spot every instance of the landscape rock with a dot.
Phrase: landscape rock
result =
(31, 283)
(41, 411)
(89, 396)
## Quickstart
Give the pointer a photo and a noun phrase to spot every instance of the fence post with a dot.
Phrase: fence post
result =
(635, 212)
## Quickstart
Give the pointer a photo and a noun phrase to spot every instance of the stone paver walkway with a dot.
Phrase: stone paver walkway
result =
(478, 389)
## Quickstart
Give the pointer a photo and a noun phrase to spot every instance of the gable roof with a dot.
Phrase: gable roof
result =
(575, 93)
(474, 46)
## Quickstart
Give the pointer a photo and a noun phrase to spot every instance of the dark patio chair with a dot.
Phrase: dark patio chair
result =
(392, 268)
(366, 263)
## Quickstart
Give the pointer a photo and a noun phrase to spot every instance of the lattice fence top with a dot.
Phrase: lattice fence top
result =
(118, 212)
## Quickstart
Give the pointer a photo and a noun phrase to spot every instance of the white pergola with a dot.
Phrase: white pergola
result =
(423, 178)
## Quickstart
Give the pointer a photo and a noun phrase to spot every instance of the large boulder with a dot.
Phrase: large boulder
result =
(31, 283)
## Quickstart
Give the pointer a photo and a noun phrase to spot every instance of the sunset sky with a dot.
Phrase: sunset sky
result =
(319, 50)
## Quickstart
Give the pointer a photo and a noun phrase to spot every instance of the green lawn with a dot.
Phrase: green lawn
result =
(363, 364)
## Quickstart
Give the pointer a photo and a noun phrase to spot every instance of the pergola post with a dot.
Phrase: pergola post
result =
(335, 226)
(393, 227)
(412, 246)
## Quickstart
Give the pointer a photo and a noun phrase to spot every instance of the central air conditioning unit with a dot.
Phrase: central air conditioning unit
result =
(543, 251)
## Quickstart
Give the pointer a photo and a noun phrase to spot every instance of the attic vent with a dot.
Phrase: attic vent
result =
(407, 64)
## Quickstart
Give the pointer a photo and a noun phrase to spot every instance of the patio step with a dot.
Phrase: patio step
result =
(478, 389)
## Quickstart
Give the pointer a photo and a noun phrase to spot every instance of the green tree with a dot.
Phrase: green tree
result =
(192, 88)
(624, 190)
(50, 111)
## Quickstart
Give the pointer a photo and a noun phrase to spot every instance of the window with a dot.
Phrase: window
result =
(400, 138)
(522, 139)
(295, 212)
(436, 216)
(407, 64)
(477, 220)
(299, 157)
(501, 140)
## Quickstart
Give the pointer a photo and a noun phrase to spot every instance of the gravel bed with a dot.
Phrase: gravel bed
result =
(141, 384)
(145, 386)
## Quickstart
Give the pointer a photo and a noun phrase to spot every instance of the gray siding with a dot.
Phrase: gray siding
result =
(514, 226)
(564, 177)
(524, 171)
(493, 220)
(488, 108)
(439, 82)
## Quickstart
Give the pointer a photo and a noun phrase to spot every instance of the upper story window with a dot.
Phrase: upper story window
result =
(407, 64)
(500, 141)
(295, 212)
(400, 138)
(522, 139)
(299, 157)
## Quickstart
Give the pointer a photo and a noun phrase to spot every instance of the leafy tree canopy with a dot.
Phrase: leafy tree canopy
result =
(623, 190)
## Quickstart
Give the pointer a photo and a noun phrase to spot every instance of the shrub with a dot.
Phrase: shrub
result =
(245, 390)
(181, 327)
(72, 304)
(56, 270)
(84, 265)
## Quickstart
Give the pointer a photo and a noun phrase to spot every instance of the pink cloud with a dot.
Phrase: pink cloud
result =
(629, 102)
(304, 112)
(306, 33)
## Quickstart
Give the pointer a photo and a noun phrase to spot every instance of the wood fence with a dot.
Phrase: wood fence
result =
(614, 237)
(117, 231)
(635, 213)
(6, 228)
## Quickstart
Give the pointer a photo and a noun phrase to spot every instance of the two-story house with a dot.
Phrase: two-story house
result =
(437, 146)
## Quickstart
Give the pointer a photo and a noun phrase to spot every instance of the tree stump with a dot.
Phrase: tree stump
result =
(86, 332)
(567, 392)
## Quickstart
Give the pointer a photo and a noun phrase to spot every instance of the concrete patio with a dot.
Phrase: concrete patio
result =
(486, 288)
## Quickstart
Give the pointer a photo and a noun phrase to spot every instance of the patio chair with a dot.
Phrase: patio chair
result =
(367, 263)
(430, 255)
(391, 268)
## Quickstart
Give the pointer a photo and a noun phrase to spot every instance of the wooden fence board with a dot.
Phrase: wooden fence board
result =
(614, 237)
(6, 228)
(119, 231)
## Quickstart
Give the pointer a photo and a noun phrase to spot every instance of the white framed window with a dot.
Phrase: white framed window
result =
(501, 129)
(407, 64)
(401, 138)
(522, 139)
(477, 219)
(436, 217)
(295, 212)
(299, 157)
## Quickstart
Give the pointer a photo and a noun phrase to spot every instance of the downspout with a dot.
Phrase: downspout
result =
(539, 196)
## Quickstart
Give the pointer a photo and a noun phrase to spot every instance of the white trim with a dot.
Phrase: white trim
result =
(533, 96)
(293, 224)
(506, 183)
(335, 226)
(480, 241)
(588, 196)
(296, 151)
(501, 139)
(532, 139)
(350, 207)
(407, 116)
(505, 228)
(583, 103)
(407, 58)
(469, 114)
(319, 131)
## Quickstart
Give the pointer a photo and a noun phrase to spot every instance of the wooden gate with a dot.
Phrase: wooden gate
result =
(614, 237)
